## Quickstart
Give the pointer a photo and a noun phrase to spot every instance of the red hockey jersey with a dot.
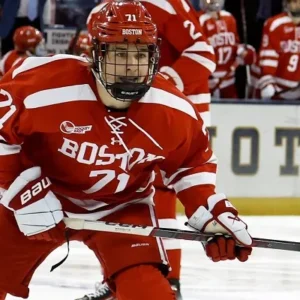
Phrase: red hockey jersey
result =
(279, 55)
(222, 35)
(186, 57)
(10, 59)
(98, 160)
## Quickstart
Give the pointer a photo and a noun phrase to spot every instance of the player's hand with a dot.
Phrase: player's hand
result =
(267, 86)
(231, 239)
(37, 210)
(268, 91)
(246, 54)
(224, 247)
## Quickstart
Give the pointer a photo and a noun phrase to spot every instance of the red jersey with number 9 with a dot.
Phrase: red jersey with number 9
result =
(279, 53)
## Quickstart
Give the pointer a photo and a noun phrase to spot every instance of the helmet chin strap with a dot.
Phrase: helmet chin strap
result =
(107, 99)
(128, 92)
(123, 92)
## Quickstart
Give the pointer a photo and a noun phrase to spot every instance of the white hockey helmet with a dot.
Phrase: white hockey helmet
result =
(211, 5)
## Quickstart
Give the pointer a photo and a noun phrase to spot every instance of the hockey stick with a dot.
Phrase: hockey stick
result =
(80, 224)
(245, 40)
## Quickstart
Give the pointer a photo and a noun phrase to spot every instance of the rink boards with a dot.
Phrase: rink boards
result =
(258, 147)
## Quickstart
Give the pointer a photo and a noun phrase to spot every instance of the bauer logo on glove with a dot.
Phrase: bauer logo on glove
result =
(37, 210)
(37, 188)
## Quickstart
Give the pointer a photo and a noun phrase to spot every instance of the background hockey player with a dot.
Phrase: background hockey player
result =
(78, 141)
(220, 29)
(28, 41)
(81, 45)
(279, 54)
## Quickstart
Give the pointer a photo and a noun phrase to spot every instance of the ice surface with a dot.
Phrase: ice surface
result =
(269, 274)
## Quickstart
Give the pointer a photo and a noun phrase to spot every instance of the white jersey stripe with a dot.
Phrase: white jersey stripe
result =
(174, 75)
(200, 98)
(200, 46)
(158, 96)
(98, 215)
(283, 20)
(9, 149)
(285, 82)
(34, 62)
(207, 63)
(193, 180)
(162, 4)
(269, 53)
(166, 180)
(81, 92)
(268, 63)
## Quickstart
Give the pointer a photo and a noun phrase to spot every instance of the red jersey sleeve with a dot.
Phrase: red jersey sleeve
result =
(14, 122)
(191, 166)
(186, 56)
(268, 54)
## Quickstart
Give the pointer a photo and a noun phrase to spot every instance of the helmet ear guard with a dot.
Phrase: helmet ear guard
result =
(124, 22)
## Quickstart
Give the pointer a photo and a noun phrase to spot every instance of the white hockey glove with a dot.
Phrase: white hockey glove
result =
(268, 91)
(267, 86)
(37, 210)
(232, 239)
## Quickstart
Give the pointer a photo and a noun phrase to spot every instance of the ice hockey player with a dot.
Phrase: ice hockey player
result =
(81, 45)
(187, 63)
(220, 28)
(28, 41)
(279, 54)
(77, 140)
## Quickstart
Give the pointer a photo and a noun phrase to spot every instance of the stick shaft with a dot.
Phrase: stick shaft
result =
(79, 224)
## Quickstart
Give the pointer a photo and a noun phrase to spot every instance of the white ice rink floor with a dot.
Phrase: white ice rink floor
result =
(268, 275)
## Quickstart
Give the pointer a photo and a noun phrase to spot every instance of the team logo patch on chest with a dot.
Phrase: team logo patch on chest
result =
(68, 127)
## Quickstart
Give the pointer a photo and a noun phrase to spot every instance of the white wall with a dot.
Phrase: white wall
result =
(274, 130)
